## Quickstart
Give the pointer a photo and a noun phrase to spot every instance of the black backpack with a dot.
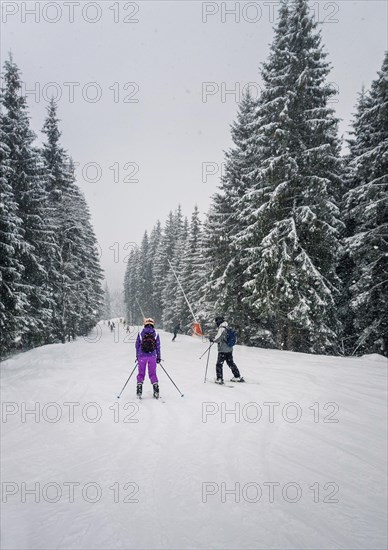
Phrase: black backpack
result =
(148, 342)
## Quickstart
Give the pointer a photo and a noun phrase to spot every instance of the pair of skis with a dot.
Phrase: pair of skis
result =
(228, 385)
(155, 394)
(140, 398)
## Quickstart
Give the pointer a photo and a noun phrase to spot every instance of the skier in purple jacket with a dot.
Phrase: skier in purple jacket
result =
(148, 352)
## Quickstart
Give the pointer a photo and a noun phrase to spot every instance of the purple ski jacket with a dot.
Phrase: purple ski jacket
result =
(139, 351)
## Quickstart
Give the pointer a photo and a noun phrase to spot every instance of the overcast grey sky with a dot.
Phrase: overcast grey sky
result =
(143, 87)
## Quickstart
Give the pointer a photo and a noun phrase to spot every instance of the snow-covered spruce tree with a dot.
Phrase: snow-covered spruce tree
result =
(60, 183)
(154, 242)
(367, 217)
(225, 289)
(106, 309)
(77, 278)
(28, 182)
(160, 267)
(132, 288)
(127, 297)
(13, 299)
(172, 294)
(164, 253)
(191, 274)
(346, 264)
(57, 162)
(145, 274)
(90, 274)
(292, 240)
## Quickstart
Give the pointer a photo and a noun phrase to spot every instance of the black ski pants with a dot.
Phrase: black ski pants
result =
(228, 357)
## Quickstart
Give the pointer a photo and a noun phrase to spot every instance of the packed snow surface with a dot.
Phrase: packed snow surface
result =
(295, 458)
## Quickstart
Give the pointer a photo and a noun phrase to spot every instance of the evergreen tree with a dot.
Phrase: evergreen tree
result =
(77, 275)
(225, 289)
(106, 311)
(172, 294)
(291, 243)
(57, 162)
(191, 274)
(346, 264)
(367, 217)
(90, 274)
(27, 179)
(13, 300)
(164, 254)
(154, 242)
(145, 274)
(131, 288)
(160, 267)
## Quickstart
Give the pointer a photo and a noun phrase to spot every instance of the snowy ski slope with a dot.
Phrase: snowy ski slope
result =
(89, 471)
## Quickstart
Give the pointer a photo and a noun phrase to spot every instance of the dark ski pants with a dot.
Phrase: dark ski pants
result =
(228, 357)
(175, 334)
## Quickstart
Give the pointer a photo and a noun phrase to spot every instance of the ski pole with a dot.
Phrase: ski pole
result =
(171, 379)
(207, 363)
(118, 397)
(206, 350)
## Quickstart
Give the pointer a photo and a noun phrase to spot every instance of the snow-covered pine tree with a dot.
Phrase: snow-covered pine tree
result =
(126, 291)
(106, 309)
(13, 300)
(172, 294)
(90, 274)
(154, 241)
(164, 253)
(56, 159)
(60, 182)
(367, 216)
(292, 244)
(132, 287)
(191, 274)
(225, 289)
(80, 292)
(28, 182)
(77, 277)
(145, 274)
(346, 265)
(159, 268)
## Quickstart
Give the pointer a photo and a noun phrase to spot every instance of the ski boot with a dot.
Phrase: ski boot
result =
(156, 390)
(237, 379)
(219, 381)
(139, 390)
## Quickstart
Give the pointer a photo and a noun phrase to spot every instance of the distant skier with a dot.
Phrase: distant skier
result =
(225, 352)
(177, 329)
(148, 352)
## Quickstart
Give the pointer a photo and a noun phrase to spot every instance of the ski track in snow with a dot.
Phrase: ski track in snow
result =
(170, 451)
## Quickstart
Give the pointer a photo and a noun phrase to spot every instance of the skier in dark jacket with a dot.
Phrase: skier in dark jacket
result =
(225, 353)
(148, 352)
(177, 329)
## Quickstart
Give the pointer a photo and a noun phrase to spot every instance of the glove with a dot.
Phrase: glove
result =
(211, 339)
(158, 359)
